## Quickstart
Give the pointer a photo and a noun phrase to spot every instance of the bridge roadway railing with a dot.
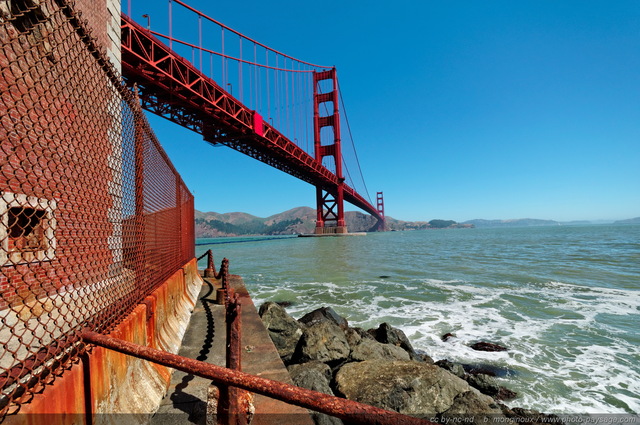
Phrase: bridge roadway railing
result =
(172, 87)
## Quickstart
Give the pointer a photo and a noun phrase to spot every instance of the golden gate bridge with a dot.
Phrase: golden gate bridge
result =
(240, 93)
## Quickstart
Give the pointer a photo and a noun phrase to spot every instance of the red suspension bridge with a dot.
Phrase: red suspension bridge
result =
(285, 112)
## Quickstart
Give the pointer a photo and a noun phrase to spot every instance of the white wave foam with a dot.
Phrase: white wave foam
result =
(568, 359)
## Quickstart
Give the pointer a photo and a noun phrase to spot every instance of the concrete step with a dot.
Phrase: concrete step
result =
(188, 398)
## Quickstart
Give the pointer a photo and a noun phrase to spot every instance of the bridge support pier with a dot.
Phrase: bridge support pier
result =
(329, 200)
(380, 208)
(330, 218)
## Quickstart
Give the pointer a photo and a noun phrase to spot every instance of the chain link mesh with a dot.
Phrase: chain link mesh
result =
(93, 216)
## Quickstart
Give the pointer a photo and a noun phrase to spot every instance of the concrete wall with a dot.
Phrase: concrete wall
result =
(107, 382)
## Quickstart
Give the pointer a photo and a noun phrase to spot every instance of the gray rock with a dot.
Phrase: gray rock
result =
(314, 376)
(387, 334)
(324, 342)
(425, 358)
(284, 330)
(455, 368)
(363, 333)
(403, 386)
(447, 336)
(530, 417)
(487, 346)
(324, 314)
(474, 408)
(369, 349)
(353, 337)
(484, 383)
(505, 394)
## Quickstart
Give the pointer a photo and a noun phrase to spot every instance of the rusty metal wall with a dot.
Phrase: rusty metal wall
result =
(93, 216)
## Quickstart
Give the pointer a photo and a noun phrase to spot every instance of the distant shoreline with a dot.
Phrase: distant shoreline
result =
(302, 220)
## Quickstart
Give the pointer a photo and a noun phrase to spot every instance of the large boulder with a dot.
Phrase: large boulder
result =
(355, 335)
(529, 417)
(387, 334)
(284, 330)
(408, 387)
(455, 368)
(484, 383)
(473, 408)
(324, 314)
(369, 349)
(314, 376)
(324, 342)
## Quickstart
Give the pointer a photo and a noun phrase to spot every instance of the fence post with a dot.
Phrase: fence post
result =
(235, 403)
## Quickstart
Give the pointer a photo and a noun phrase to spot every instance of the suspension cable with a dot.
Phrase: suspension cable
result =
(247, 38)
(353, 142)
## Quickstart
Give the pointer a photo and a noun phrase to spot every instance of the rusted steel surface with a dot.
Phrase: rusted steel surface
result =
(238, 399)
(348, 410)
(234, 333)
(224, 273)
(210, 271)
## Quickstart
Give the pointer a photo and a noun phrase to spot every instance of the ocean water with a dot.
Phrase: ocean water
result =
(565, 300)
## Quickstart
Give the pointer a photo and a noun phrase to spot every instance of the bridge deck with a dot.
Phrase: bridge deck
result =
(172, 87)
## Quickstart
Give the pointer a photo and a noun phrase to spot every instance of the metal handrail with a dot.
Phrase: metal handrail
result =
(345, 409)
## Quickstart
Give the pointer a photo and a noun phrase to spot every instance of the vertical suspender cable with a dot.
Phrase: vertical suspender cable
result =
(268, 84)
(257, 74)
(293, 102)
(200, 38)
(344, 111)
(223, 62)
(286, 102)
(277, 104)
(240, 88)
(170, 22)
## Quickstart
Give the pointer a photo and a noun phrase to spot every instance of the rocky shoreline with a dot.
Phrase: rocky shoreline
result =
(380, 367)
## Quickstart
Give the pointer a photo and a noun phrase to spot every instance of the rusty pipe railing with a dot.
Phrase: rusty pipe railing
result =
(348, 410)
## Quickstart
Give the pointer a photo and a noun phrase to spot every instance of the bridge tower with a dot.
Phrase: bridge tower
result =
(329, 200)
(380, 208)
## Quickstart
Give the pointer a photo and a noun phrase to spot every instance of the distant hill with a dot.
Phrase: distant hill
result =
(212, 224)
(629, 221)
(520, 222)
(302, 220)
(296, 221)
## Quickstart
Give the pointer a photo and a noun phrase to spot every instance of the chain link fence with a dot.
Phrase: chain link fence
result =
(93, 216)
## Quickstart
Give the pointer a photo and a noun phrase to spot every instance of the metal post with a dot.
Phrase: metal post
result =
(210, 271)
(138, 223)
(234, 400)
(348, 410)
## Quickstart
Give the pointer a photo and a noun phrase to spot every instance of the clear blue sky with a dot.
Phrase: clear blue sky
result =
(459, 110)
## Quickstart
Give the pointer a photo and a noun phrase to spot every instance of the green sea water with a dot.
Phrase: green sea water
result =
(565, 300)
